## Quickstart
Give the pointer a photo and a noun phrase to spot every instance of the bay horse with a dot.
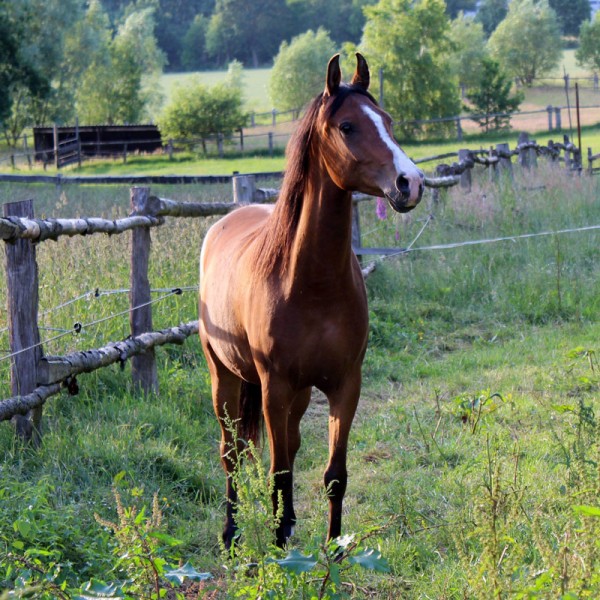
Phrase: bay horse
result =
(283, 305)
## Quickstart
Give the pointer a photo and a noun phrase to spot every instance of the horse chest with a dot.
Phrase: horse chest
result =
(315, 343)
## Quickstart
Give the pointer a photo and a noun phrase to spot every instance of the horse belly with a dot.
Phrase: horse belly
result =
(223, 288)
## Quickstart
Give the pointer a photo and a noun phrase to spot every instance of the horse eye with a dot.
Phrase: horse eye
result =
(346, 128)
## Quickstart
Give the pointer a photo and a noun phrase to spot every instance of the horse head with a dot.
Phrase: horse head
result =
(357, 144)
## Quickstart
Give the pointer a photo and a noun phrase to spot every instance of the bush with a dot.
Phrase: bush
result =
(199, 111)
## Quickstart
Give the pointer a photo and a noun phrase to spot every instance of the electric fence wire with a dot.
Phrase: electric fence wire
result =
(450, 246)
(402, 251)
(78, 327)
(97, 293)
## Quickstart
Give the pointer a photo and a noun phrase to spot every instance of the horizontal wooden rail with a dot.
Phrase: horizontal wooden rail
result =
(39, 230)
(129, 179)
(52, 371)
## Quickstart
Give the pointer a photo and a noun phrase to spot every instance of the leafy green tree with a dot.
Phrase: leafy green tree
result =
(193, 50)
(118, 86)
(297, 74)
(174, 20)
(491, 13)
(198, 111)
(571, 14)
(469, 41)
(492, 98)
(43, 36)
(343, 19)
(527, 44)
(16, 74)
(588, 53)
(455, 7)
(411, 42)
(248, 31)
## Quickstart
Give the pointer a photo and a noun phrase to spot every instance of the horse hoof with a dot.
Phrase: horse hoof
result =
(229, 535)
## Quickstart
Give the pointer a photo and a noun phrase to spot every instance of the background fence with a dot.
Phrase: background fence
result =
(67, 145)
(35, 377)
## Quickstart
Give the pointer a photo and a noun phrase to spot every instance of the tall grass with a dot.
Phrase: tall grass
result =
(475, 443)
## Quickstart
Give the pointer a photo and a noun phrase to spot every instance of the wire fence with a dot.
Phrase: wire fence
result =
(151, 209)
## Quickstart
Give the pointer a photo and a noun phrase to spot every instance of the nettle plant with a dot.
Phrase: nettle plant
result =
(142, 564)
(257, 568)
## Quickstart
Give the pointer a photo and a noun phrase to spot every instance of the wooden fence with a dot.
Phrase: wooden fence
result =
(35, 377)
(73, 144)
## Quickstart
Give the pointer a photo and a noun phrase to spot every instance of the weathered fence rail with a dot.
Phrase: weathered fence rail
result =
(34, 378)
(129, 179)
(88, 144)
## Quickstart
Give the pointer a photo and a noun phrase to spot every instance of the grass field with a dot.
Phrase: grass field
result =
(473, 459)
(256, 83)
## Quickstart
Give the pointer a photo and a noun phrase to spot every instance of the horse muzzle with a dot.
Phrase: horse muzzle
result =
(407, 193)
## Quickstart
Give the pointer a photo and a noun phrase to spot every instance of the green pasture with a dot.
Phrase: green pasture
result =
(473, 459)
(193, 164)
(256, 84)
(255, 81)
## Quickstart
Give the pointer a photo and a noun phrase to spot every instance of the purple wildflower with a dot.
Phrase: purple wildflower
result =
(381, 209)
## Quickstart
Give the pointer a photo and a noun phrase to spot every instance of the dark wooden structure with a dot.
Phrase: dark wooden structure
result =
(95, 140)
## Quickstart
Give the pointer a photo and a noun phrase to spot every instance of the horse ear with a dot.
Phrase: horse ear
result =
(361, 77)
(334, 76)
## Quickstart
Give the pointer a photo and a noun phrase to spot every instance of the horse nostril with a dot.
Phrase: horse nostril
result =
(403, 186)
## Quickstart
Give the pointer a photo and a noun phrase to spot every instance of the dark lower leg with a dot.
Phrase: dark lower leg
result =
(283, 492)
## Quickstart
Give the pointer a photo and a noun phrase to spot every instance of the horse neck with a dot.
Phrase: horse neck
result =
(323, 239)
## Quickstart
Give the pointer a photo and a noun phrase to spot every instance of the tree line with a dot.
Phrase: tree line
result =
(99, 60)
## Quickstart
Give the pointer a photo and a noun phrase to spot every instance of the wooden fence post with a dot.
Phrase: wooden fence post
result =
(465, 176)
(549, 109)
(557, 119)
(55, 138)
(504, 162)
(527, 156)
(271, 144)
(244, 189)
(26, 150)
(143, 366)
(459, 131)
(493, 167)
(567, 153)
(22, 309)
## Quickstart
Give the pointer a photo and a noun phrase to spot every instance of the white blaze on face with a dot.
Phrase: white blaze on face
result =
(402, 163)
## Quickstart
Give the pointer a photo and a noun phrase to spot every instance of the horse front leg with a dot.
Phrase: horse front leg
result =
(342, 407)
(277, 398)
